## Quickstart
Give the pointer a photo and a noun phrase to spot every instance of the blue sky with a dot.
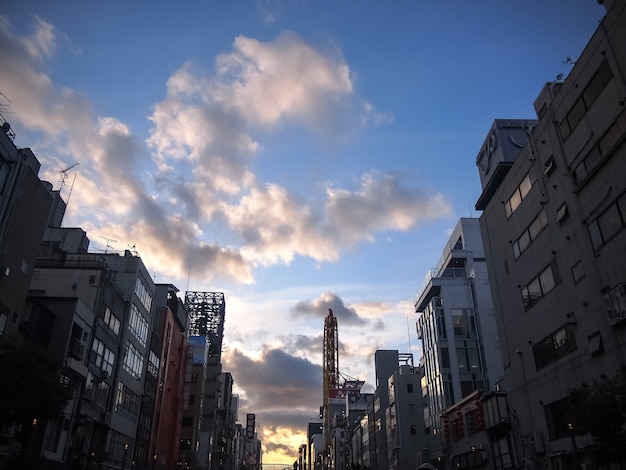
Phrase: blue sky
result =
(296, 155)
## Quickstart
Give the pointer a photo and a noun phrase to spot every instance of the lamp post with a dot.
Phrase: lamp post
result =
(124, 458)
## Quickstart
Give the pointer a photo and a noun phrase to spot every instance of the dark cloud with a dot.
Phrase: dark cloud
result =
(319, 308)
(276, 381)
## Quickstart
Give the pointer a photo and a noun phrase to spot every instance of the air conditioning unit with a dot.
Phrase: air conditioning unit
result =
(104, 375)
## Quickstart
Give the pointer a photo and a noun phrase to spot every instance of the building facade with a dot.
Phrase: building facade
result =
(457, 327)
(553, 224)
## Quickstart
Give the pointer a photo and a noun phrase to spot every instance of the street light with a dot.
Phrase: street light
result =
(124, 459)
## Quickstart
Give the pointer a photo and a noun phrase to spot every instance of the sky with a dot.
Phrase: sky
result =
(297, 155)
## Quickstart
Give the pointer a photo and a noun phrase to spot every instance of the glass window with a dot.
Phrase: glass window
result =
(461, 359)
(534, 290)
(547, 280)
(525, 186)
(578, 272)
(524, 241)
(474, 362)
(595, 235)
(515, 200)
(576, 113)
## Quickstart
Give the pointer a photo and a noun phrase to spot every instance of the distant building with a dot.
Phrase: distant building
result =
(405, 418)
(207, 312)
(165, 378)
(553, 225)
(456, 324)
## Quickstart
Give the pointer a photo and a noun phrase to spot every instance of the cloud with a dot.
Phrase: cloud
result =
(319, 308)
(382, 203)
(277, 380)
(43, 42)
(187, 196)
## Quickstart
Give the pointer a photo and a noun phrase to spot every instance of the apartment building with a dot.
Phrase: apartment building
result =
(553, 228)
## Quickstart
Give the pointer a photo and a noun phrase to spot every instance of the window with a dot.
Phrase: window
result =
(602, 149)
(153, 364)
(530, 234)
(536, 289)
(578, 272)
(111, 320)
(409, 388)
(142, 293)
(615, 303)
(133, 361)
(549, 166)
(561, 213)
(595, 343)
(127, 402)
(556, 419)
(192, 400)
(519, 194)
(609, 223)
(588, 97)
(102, 356)
(138, 325)
(554, 347)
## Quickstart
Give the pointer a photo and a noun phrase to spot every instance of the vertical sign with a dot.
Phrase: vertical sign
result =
(250, 421)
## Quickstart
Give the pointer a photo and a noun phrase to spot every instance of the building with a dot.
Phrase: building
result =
(165, 378)
(553, 226)
(25, 204)
(207, 312)
(456, 324)
(405, 418)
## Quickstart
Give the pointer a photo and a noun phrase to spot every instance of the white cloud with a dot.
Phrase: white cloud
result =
(43, 42)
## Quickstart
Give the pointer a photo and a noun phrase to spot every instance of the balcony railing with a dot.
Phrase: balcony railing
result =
(438, 273)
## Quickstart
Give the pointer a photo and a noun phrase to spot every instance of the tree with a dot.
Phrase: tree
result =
(30, 385)
(599, 409)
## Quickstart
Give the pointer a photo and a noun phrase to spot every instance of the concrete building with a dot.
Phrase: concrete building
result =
(457, 327)
(25, 204)
(165, 376)
(553, 224)
(405, 418)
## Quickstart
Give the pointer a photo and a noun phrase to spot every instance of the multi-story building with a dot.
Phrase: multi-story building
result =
(405, 418)
(206, 318)
(165, 376)
(25, 204)
(195, 378)
(456, 324)
(553, 226)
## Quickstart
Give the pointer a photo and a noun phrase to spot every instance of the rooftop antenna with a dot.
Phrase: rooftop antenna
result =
(109, 240)
(64, 175)
(133, 249)
(6, 127)
(408, 331)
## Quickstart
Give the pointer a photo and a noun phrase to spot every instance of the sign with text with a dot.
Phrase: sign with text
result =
(250, 423)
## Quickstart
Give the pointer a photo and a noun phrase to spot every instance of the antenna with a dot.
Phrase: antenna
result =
(108, 243)
(408, 331)
(64, 175)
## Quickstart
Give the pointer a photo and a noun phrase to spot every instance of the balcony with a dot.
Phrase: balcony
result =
(433, 274)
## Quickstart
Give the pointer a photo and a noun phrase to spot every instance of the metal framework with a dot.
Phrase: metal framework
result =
(331, 373)
(206, 312)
